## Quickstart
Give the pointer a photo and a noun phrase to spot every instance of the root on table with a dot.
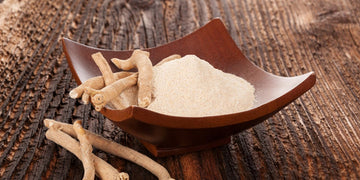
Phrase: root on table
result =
(67, 130)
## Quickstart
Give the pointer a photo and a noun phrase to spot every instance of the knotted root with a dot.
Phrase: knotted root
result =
(104, 90)
(140, 60)
(114, 148)
(94, 83)
(86, 151)
(102, 168)
(101, 97)
(109, 78)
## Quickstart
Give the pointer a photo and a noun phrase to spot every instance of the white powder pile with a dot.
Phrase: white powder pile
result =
(190, 86)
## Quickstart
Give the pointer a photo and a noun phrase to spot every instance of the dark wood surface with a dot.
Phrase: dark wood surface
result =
(316, 136)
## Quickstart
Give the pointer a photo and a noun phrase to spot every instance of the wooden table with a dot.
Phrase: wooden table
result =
(316, 136)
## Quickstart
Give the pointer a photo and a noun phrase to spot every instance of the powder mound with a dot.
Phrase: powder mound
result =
(190, 86)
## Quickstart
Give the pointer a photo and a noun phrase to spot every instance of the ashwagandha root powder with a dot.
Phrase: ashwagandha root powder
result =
(191, 87)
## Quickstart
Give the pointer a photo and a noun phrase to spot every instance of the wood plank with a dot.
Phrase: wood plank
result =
(316, 136)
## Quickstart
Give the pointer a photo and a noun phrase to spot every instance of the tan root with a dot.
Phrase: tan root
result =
(94, 83)
(86, 151)
(114, 148)
(101, 97)
(105, 89)
(140, 60)
(102, 168)
(109, 78)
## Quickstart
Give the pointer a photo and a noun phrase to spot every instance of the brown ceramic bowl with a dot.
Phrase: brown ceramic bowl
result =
(166, 135)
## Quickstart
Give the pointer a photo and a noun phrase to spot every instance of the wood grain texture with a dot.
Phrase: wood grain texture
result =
(316, 136)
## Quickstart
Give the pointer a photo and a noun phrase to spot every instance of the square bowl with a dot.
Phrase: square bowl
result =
(166, 135)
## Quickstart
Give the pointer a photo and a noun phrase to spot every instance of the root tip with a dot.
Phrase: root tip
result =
(73, 94)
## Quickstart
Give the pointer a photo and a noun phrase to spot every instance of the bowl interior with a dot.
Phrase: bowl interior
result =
(213, 44)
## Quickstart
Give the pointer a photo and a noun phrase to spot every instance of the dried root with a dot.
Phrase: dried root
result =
(102, 168)
(109, 78)
(96, 83)
(101, 97)
(140, 60)
(105, 89)
(111, 147)
(86, 151)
